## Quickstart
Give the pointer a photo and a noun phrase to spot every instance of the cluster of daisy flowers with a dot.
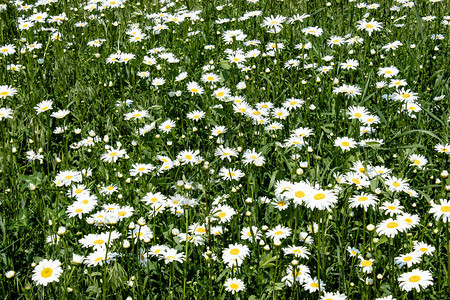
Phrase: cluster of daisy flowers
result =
(223, 117)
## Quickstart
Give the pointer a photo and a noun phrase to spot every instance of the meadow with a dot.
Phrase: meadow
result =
(230, 149)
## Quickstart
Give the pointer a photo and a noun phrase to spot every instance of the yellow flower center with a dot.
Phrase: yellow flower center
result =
(315, 285)
(369, 26)
(408, 258)
(210, 78)
(136, 115)
(396, 184)
(417, 162)
(222, 215)
(356, 181)
(122, 213)
(345, 144)
(424, 249)
(78, 191)
(167, 127)
(99, 242)
(98, 259)
(392, 225)
(234, 251)
(363, 198)
(220, 94)
(279, 232)
(445, 208)
(414, 278)
(234, 286)
(110, 188)
(47, 272)
(113, 154)
(194, 90)
(141, 169)
(366, 263)
(406, 96)
(319, 196)
(299, 194)
(68, 177)
(188, 157)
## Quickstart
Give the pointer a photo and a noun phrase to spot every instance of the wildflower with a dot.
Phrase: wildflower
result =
(234, 285)
(171, 255)
(112, 155)
(345, 143)
(370, 26)
(235, 254)
(441, 210)
(415, 280)
(390, 227)
(407, 259)
(279, 232)
(313, 285)
(47, 271)
(5, 113)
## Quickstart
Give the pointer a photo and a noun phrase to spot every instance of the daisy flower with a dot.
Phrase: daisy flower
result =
(357, 112)
(171, 255)
(388, 72)
(366, 265)
(390, 227)
(313, 285)
(140, 169)
(405, 95)
(136, 114)
(100, 257)
(47, 271)
(235, 254)
(396, 184)
(298, 251)
(363, 200)
(333, 296)
(297, 192)
(299, 273)
(415, 280)
(231, 174)
(441, 210)
(194, 88)
(345, 143)
(424, 248)
(279, 232)
(370, 26)
(250, 233)
(441, 148)
(320, 199)
(418, 160)
(392, 208)
(196, 115)
(224, 213)
(312, 30)
(166, 126)
(234, 285)
(112, 155)
(408, 259)
(225, 153)
(43, 106)
(5, 113)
